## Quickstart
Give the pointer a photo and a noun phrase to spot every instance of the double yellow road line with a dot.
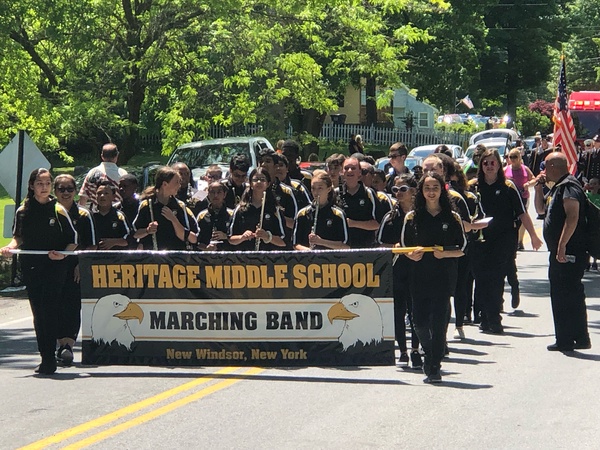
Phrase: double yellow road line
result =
(136, 407)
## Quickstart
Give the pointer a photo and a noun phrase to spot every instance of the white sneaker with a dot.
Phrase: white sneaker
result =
(459, 333)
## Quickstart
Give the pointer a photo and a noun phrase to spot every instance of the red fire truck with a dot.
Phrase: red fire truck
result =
(585, 110)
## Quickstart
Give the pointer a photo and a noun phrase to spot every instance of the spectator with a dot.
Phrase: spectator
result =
(107, 170)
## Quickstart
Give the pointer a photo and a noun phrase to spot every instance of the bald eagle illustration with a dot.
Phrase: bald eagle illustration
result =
(109, 320)
(363, 321)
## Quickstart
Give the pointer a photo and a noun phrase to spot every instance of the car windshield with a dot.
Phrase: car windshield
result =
(421, 153)
(206, 155)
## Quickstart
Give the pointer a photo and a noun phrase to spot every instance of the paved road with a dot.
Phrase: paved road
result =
(498, 392)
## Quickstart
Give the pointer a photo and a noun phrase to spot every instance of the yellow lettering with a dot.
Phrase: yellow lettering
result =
(372, 280)
(253, 275)
(281, 280)
(150, 270)
(179, 277)
(214, 277)
(193, 282)
(344, 275)
(113, 271)
(314, 270)
(238, 277)
(359, 278)
(328, 277)
(99, 276)
(127, 276)
(299, 272)
(267, 281)
(164, 278)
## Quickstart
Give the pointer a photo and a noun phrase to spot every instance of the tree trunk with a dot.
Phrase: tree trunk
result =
(309, 121)
(135, 100)
(371, 103)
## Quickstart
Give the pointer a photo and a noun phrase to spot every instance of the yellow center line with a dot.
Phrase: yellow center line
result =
(159, 411)
(127, 410)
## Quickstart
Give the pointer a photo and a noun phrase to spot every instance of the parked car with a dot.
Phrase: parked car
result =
(201, 154)
(496, 133)
(410, 162)
(424, 151)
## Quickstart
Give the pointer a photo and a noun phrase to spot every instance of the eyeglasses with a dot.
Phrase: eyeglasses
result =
(396, 189)
(513, 157)
(63, 189)
(489, 163)
(394, 155)
(259, 180)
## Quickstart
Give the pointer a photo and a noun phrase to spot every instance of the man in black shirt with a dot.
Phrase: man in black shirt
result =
(564, 233)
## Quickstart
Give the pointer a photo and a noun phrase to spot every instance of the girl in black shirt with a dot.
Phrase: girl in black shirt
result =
(245, 227)
(41, 223)
(432, 223)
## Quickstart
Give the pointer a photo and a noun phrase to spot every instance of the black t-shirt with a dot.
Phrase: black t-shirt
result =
(566, 187)
(331, 225)
(362, 207)
(248, 219)
(209, 220)
(111, 226)
(165, 234)
(431, 276)
(234, 193)
(84, 225)
(500, 200)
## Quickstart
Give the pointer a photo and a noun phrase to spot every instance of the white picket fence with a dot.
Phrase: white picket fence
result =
(372, 135)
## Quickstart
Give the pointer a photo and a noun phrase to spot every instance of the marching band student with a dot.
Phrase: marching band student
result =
(236, 180)
(112, 228)
(42, 223)
(360, 205)
(303, 197)
(284, 194)
(70, 322)
(214, 222)
(162, 215)
(404, 189)
(321, 225)
(492, 257)
(334, 168)
(432, 223)
(130, 200)
(246, 222)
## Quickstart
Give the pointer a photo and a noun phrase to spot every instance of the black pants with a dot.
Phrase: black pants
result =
(568, 300)
(402, 306)
(45, 281)
(464, 289)
(70, 307)
(430, 316)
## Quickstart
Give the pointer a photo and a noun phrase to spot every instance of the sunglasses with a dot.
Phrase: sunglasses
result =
(513, 157)
(63, 189)
(489, 163)
(396, 189)
(395, 155)
(366, 172)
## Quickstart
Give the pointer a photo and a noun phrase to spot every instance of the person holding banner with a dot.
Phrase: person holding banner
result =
(257, 223)
(43, 225)
(321, 225)
(163, 222)
(64, 189)
(432, 223)
(404, 188)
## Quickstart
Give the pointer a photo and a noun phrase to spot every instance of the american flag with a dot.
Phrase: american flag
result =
(564, 129)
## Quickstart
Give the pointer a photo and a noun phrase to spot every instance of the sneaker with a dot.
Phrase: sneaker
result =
(433, 378)
(65, 355)
(416, 360)
(403, 359)
(459, 333)
(47, 367)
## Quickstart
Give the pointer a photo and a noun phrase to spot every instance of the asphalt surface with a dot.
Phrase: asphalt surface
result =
(498, 392)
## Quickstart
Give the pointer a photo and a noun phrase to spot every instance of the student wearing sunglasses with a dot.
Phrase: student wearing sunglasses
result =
(64, 189)
(494, 255)
(404, 189)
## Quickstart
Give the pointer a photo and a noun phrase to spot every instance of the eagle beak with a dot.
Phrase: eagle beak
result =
(339, 311)
(133, 311)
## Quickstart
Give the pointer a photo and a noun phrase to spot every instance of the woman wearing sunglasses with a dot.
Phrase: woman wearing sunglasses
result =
(432, 275)
(494, 255)
(403, 190)
(247, 219)
(41, 223)
(64, 189)
(321, 225)
(522, 177)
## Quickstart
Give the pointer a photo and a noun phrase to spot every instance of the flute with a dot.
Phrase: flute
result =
(154, 241)
(260, 223)
(314, 227)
